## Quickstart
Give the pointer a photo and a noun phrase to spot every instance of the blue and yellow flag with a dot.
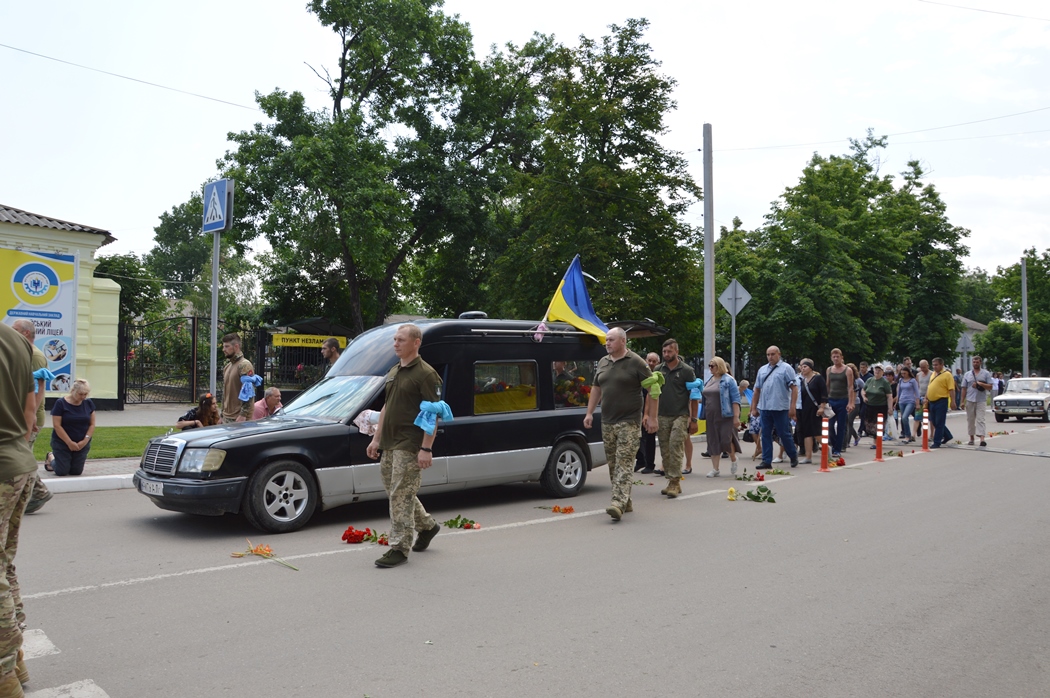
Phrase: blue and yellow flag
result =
(572, 304)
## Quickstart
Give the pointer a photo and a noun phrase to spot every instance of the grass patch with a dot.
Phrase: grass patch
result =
(107, 442)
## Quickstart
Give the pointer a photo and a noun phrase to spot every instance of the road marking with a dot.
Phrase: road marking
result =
(352, 549)
(80, 689)
(35, 644)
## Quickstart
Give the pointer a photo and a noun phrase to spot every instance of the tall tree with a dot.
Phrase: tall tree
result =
(181, 251)
(396, 164)
(822, 271)
(604, 187)
(931, 268)
(1007, 285)
(140, 295)
(977, 298)
(1002, 346)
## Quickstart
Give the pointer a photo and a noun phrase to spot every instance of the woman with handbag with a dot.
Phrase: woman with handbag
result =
(814, 402)
(722, 412)
(907, 401)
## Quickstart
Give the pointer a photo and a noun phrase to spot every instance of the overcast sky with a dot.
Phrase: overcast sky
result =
(112, 153)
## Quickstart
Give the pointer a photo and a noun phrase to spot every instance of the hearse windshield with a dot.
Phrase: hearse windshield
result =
(335, 398)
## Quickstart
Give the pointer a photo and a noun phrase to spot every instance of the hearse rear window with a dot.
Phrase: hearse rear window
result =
(504, 387)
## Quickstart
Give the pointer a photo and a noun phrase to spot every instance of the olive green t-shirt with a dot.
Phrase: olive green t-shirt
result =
(16, 382)
(674, 396)
(877, 389)
(621, 384)
(406, 387)
(39, 362)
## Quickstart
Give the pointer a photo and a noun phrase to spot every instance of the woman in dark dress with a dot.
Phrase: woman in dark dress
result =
(814, 400)
(73, 423)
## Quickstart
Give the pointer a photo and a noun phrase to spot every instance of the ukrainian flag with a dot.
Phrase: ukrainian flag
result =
(572, 304)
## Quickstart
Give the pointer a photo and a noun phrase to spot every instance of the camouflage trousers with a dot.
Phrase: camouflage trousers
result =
(401, 478)
(621, 446)
(14, 495)
(672, 432)
(40, 490)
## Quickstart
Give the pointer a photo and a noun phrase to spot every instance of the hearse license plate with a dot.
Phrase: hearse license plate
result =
(148, 487)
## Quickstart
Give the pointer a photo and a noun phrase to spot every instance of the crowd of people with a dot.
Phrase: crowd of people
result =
(648, 401)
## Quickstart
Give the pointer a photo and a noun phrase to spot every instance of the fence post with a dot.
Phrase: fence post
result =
(193, 359)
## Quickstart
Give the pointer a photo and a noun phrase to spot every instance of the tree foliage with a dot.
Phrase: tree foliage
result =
(1001, 346)
(847, 259)
(140, 296)
(605, 188)
(1007, 285)
(977, 297)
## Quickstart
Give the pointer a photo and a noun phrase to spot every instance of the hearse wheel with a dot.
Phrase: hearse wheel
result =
(281, 497)
(566, 470)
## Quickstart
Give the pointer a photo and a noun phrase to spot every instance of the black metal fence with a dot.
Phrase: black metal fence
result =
(168, 361)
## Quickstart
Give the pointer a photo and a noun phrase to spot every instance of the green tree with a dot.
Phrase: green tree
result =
(604, 187)
(399, 163)
(822, 270)
(1007, 285)
(977, 298)
(1001, 346)
(931, 268)
(181, 251)
(140, 295)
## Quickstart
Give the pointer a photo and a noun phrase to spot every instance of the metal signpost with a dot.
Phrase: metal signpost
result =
(218, 216)
(733, 299)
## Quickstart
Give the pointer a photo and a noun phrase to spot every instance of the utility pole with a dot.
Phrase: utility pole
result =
(1024, 316)
(709, 252)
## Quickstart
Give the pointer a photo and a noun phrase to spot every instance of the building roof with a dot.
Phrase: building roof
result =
(17, 216)
(971, 324)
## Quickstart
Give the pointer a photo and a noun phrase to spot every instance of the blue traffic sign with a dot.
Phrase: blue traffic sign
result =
(218, 205)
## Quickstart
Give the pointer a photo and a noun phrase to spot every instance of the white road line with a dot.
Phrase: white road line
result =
(80, 689)
(351, 549)
(35, 644)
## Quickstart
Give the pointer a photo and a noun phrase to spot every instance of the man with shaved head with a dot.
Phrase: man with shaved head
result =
(618, 388)
(774, 403)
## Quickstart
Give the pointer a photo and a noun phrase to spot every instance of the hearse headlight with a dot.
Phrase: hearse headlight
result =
(201, 460)
(1034, 403)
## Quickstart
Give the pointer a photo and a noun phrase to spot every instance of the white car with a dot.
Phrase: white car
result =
(1023, 397)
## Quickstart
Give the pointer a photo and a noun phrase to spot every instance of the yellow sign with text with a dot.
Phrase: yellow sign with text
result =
(304, 340)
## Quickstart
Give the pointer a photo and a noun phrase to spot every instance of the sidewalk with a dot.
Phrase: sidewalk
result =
(115, 473)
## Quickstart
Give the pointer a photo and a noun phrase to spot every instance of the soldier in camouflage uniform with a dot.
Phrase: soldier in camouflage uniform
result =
(407, 449)
(677, 415)
(17, 466)
(618, 389)
(41, 494)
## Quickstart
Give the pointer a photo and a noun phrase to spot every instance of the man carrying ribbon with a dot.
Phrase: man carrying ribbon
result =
(407, 449)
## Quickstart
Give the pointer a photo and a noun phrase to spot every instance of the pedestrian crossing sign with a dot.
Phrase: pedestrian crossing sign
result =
(218, 206)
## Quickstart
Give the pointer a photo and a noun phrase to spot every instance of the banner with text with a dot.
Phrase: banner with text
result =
(43, 288)
(303, 340)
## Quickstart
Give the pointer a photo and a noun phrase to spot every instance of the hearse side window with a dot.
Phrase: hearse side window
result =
(504, 387)
(572, 382)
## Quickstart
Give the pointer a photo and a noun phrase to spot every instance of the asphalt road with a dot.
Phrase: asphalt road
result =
(920, 576)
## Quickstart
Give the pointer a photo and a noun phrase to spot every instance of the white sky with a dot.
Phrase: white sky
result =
(115, 154)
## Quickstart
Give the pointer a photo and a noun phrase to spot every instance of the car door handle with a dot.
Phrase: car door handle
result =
(440, 430)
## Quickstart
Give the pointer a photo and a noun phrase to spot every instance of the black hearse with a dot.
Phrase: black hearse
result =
(518, 407)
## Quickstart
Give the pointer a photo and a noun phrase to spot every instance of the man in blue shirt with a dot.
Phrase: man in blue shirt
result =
(774, 403)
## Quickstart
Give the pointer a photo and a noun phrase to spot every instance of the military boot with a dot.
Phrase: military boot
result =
(10, 687)
(674, 488)
(629, 507)
(668, 488)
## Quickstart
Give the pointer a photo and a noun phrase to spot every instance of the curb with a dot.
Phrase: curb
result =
(94, 483)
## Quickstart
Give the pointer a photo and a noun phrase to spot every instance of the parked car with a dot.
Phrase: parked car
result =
(518, 408)
(1023, 397)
